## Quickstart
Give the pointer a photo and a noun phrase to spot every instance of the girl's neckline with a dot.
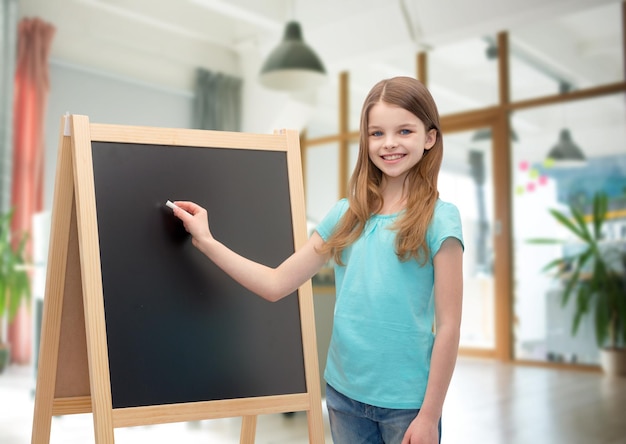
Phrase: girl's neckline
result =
(386, 215)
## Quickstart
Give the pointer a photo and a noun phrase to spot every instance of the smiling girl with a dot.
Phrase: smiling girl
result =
(397, 249)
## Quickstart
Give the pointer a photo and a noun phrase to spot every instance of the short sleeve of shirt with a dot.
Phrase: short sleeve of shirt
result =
(446, 223)
(327, 225)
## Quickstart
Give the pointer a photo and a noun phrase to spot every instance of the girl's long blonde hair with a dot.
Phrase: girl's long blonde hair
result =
(365, 197)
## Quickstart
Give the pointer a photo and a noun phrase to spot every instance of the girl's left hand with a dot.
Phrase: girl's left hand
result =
(422, 431)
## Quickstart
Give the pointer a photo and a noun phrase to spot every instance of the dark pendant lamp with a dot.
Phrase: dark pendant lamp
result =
(292, 65)
(566, 153)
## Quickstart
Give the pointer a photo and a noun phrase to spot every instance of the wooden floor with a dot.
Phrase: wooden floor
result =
(488, 403)
(492, 403)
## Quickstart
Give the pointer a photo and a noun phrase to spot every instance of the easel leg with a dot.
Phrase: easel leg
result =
(316, 424)
(46, 375)
(248, 429)
(53, 304)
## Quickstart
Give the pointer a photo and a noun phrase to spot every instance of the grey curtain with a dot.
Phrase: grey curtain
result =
(8, 41)
(217, 101)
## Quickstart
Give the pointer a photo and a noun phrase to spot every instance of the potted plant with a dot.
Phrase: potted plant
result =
(595, 278)
(14, 282)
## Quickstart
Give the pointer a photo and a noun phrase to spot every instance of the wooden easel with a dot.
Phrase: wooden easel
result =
(73, 375)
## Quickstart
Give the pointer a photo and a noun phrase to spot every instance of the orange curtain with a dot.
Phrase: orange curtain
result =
(30, 99)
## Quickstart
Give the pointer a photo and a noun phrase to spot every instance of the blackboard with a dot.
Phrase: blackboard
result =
(138, 326)
(178, 328)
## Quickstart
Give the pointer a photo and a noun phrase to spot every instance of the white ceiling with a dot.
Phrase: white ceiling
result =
(162, 42)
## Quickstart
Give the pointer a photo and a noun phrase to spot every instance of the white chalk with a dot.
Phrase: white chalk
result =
(171, 204)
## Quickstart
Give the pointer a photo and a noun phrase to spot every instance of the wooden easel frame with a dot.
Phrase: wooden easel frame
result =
(73, 375)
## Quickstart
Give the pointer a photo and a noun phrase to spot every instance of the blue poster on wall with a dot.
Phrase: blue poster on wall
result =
(577, 185)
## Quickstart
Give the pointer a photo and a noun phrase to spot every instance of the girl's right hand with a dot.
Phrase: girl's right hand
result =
(195, 219)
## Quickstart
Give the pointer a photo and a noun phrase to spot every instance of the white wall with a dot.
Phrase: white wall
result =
(107, 98)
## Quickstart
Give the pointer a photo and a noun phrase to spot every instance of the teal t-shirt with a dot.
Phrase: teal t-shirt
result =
(382, 338)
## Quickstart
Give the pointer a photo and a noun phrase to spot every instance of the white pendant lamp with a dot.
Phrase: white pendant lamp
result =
(292, 65)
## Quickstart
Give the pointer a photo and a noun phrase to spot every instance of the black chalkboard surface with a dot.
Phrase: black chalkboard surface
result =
(178, 329)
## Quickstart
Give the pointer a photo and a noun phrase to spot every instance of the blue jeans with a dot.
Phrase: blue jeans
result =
(352, 422)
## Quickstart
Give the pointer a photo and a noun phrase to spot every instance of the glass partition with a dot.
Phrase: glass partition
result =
(323, 120)
(464, 76)
(466, 180)
(353, 155)
(543, 329)
(321, 181)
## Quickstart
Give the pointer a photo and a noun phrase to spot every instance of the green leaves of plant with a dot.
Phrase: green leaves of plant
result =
(591, 274)
(14, 280)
